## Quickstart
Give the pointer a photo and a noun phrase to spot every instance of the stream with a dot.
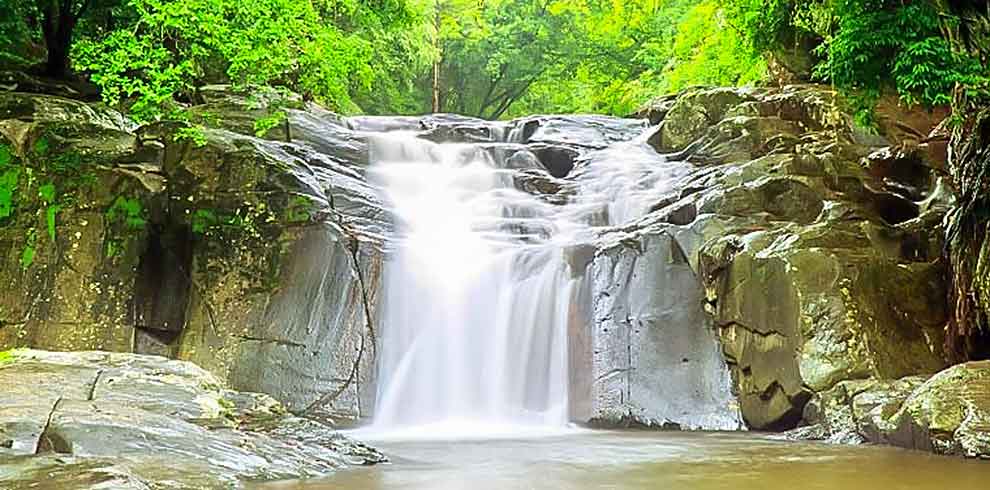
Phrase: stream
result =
(633, 460)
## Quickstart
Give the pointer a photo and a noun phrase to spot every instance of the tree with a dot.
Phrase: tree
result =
(325, 50)
(58, 21)
(54, 24)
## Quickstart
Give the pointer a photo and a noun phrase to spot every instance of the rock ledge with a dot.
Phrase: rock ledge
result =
(98, 420)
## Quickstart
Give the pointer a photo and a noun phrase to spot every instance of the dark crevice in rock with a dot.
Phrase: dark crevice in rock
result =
(630, 421)
(793, 417)
(529, 129)
(894, 209)
(49, 441)
(287, 343)
(980, 345)
(92, 386)
(761, 333)
(558, 160)
(162, 289)
(683, 215)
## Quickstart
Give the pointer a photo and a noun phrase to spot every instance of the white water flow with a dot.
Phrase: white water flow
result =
(478, 291)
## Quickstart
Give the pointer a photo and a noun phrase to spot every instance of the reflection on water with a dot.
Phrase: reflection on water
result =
(650, 460)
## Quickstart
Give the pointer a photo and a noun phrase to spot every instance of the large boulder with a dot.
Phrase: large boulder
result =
(948, 413)
(818, 252)
(170, 423)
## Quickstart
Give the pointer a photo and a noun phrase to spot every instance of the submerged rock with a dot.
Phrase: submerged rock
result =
(93, 420)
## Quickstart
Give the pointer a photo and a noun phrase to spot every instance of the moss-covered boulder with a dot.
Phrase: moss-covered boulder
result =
(818, 244)
(948, 413)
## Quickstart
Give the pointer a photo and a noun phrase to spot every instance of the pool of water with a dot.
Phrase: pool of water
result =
(648, 460)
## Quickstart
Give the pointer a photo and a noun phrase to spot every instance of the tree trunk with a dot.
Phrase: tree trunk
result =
(436, 63)
(57, 27)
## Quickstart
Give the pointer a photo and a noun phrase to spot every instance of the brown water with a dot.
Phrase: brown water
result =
(650, 460)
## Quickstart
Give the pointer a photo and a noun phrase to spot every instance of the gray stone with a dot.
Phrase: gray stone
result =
(162, 424)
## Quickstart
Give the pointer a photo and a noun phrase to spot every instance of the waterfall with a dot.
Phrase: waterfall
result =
(476, 297)
(481, 287)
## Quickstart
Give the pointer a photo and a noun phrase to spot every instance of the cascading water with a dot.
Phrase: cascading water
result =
(480, 285)
(475, 301)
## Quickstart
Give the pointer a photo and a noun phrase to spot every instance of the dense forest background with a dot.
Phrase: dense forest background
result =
(491, 58)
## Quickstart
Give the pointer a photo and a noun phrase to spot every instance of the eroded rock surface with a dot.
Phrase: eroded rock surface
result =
(97, 420)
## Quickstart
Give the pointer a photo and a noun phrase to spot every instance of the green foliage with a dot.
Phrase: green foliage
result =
(9, 356)
(204, 220)
(9, 176)
(880, 44)
(317, 48)
(27, 254)
(264, 124)
(708, 51)
(41, 146)
(128, 212)
(47, 194)
(514, 57)
(208, 222)
(299, 210)
(868, 47)
(16, 35)
(494, 58)
(194, 134)
(124, 218)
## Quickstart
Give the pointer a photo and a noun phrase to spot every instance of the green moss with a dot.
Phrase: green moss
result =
(204, 220)
(264, 124)
(124, 218)
(47, 194)
(9, 356)
(213, 223)
(195, 134)
(6, 157)
(299, 209)
(8, 187)
(128, 212)
(27, 255)
(41, 146)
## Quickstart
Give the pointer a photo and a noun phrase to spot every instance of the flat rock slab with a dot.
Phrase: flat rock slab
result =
(93, 420)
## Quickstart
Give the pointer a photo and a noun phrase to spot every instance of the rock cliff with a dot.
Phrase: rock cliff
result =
(790, 273)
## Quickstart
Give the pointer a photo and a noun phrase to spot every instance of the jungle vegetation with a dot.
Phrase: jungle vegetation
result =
(489, 58)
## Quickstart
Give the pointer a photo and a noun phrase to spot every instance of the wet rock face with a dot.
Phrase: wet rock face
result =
(655, 359)
(256, 257)
(88, 420)
(72, 180)
(817, 250)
